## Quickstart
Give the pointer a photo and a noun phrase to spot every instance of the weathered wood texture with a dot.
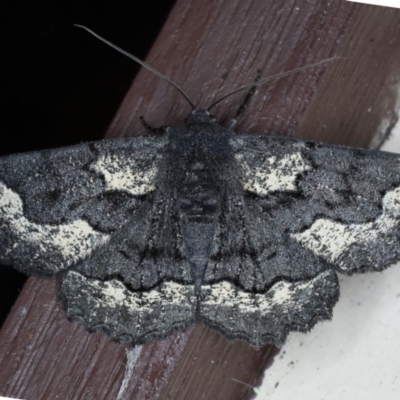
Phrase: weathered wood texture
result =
(209, 48)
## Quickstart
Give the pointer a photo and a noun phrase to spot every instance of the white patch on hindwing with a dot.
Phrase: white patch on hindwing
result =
(72, 241)
(331, 240)
(114, 294)
(272, 174)
(122, 173)
(283, 294)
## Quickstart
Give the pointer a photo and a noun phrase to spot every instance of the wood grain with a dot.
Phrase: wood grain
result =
(210, 48)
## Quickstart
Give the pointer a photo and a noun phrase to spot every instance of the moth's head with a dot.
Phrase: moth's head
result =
(200, 115)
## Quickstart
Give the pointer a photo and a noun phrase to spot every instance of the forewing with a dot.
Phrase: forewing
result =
(341, 204)
(58, 206)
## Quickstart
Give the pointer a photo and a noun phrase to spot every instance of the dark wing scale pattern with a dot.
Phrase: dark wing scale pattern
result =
(345, 206)
(57, 206)
(262, 284)
(253, 251)
(268, 317)
(126, 315)
(129, 288)
(147, 250)
(306, 210)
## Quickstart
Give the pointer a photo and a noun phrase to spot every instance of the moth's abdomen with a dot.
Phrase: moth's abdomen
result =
(198, 200)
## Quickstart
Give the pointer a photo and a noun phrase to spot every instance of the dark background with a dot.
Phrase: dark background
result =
(62, 86)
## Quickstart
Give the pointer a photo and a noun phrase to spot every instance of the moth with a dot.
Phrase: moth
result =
(246, 234)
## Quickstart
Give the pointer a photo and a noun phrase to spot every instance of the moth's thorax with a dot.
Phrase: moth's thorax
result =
(199, 156)
(201, 135)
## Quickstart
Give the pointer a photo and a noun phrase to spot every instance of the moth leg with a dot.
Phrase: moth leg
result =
(243, 106)
(161, 129)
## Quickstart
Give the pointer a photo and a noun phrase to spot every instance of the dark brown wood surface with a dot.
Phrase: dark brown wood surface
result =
(210, 48)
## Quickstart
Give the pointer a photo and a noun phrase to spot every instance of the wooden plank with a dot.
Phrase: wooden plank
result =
(209, 49)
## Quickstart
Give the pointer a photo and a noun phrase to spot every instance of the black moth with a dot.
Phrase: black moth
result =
(148, 235)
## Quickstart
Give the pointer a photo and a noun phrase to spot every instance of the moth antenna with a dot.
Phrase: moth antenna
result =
(142, 63)
(272, 77)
